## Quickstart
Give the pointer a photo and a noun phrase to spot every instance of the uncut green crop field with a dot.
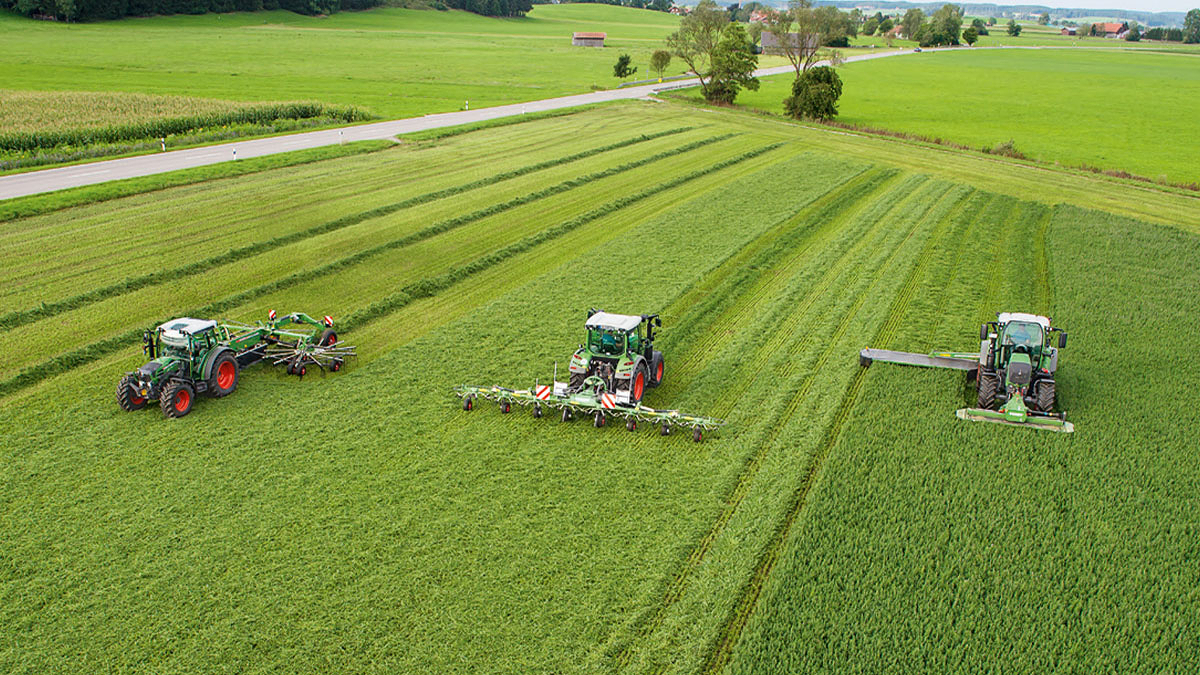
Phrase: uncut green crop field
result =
(1130, 110)
(392, 62)
(843, 521)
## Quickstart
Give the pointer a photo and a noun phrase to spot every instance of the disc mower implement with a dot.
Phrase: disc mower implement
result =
(609, 377)
(201, 356)
(1013, 371)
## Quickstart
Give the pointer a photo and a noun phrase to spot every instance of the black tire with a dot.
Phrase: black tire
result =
(986, 392)
(598, 419)
(224, 376)
(575, 382)
(1046, 392)
(177, 399)
(566, 416)
(505, 407)
(631, 424)
(665, 431)
(468, 403)
(537, 410)
(328, 337)
(127, 394)
(657, 370)
(336, 365)
(301, 370)
(697, 435)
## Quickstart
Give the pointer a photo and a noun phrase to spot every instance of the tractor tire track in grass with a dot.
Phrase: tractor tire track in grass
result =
(424, 288)
(846, 269)
(745, 606)
(14, 319)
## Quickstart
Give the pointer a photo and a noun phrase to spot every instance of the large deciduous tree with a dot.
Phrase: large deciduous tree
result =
(1191, 26)
(800, 31)
(815, 94)
(717, 51)
(1014, 28)
(912, 22)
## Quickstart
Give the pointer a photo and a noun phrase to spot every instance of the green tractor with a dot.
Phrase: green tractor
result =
(1013, 370)
(200, 356)
(620, 351)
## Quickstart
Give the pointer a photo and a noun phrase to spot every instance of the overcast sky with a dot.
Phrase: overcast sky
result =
(1141, 5)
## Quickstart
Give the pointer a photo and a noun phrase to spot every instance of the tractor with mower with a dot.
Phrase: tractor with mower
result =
(189, 357)
(608, 378)
(1013, 371)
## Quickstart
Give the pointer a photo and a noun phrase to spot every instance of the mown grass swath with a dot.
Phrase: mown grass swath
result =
(17, 318)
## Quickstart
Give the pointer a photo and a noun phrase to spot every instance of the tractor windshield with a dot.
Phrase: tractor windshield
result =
(603, 341)
(1023, 333)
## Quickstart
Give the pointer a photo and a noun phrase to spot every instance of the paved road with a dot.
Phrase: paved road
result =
(48, 180)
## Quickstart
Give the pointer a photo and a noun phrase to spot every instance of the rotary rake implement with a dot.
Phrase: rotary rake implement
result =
(201, 356)
(592, 400)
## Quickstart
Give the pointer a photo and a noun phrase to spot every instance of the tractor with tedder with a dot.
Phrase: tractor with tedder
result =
(1013, 371)
(190, 356)
(608, 378)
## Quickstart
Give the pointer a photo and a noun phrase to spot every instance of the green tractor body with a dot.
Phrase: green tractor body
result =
(1013, 370)
(620, 351)
(189, 357)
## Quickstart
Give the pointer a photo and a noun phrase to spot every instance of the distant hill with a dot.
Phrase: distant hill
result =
(981, 9)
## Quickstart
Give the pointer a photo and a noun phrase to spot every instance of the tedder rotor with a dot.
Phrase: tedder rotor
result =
(201, 356)
(1013, 371)
(608, 378)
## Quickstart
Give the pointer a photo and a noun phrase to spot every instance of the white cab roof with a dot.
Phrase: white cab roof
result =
(1005, 317)
(613, 321)
(186, 326)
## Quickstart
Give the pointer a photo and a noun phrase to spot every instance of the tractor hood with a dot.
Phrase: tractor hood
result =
(1020, 370)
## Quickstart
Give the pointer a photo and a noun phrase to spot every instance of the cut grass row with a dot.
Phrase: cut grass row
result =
(34, 373)
(21, 317)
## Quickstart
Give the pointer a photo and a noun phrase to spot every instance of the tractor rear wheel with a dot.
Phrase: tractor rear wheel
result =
(328, 338)
(224, 376)
(656, 368)
(177, 399)
(127, 394)
(1045, 395)
(637, 385)
(988, 384)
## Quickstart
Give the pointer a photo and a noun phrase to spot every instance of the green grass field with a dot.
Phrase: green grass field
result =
(393, 62)
(1125, 110)
(362, 522)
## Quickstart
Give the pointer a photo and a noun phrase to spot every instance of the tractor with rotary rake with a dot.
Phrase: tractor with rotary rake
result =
(189, 357)
(608, 378)
(1013, 371)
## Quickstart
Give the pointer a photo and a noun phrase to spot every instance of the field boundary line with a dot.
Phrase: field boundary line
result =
(21, 317)
(745, 607)
(420, 289)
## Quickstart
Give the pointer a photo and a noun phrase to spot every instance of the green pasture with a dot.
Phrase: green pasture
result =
(1127, 110)
(844, 520)
(393, 62)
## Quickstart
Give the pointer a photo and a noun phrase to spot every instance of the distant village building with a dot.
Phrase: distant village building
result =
(1111, 30)
(680, 11)
(759, 16)
(770, 43)
(588, 39)
(1068, 31)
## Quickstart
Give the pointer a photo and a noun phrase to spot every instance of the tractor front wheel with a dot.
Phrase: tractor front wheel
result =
(177, 399)
(127, 394)
(224, 376)
(988, 384)
(1045, 395)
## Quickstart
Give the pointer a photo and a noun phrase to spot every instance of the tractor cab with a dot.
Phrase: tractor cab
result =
(182, 338)
(620, 351)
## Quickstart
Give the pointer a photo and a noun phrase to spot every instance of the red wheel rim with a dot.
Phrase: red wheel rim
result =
(639, 383)
(225, 374)
(658, 372)
(136, 400)
(182, 400)
(332, 340)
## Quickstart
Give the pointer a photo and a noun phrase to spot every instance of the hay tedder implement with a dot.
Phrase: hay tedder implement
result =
(608, 378)
(1013, 371)
(201, 356)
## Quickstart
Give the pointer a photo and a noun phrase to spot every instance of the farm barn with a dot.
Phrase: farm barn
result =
(588, 39)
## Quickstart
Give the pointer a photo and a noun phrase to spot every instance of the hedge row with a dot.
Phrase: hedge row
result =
(45, 310)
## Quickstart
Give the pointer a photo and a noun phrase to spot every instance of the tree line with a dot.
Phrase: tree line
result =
(656, 5)
(93, 10)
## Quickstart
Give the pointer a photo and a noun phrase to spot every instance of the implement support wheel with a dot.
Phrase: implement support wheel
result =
(505, 406)
(537, 410)
(697, 435)
(666, 430)
(631, 424)
(468, 403)
(566, 416)
(598, 421)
